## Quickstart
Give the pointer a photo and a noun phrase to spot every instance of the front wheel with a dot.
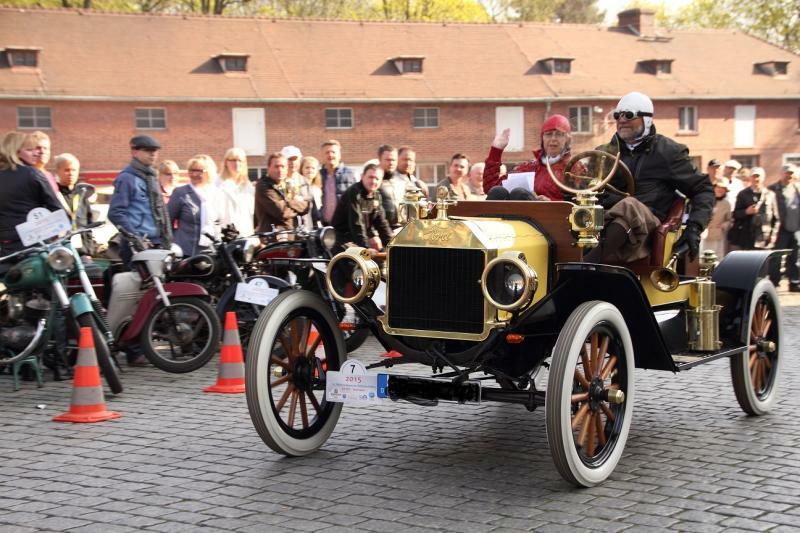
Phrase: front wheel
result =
(589, 399)
(104, 361)
(294, 343)
(181, 337)
(755, 372)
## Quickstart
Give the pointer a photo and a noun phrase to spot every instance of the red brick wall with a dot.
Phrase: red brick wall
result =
(98, 132)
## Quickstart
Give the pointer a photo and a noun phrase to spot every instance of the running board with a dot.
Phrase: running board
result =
(685, 361)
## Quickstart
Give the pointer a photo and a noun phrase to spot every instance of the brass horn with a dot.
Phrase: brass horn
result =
(666, 279)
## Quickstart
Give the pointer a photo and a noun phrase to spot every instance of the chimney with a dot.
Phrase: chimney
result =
(642, 21)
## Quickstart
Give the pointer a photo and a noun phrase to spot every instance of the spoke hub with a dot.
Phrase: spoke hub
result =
(596, 394)
(764, 347)
(302, 374)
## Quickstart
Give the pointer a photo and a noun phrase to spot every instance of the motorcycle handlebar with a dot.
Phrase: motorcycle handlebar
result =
(35, 248)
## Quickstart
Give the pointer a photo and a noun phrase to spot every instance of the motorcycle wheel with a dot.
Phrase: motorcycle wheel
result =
(103, 354)
(182, 337)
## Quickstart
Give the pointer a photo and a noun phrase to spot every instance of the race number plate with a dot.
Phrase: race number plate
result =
(42, 224)
(256, 291)
(352, 384)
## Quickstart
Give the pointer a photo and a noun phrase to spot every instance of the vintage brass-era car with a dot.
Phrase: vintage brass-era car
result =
(493, 296)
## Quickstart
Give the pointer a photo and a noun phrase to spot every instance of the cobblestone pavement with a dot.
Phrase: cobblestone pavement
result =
(181, 460)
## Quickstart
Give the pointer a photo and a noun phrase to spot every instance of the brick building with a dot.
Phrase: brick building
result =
(202, 84)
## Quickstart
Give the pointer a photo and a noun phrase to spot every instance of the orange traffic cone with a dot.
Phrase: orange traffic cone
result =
(88, 403)
(230, 379)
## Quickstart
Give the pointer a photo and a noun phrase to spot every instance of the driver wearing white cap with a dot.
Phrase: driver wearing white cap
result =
(660, 167)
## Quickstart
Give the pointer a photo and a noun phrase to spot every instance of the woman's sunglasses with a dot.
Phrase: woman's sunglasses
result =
(630, 115)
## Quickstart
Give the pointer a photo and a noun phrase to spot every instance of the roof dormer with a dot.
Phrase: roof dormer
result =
(657, 67)
(408, 64)
(772, 68)
(556, 65)
(22, 56)
(232, 62)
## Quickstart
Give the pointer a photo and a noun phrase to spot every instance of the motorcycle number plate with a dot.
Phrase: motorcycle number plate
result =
(41, 225)
(256, 291)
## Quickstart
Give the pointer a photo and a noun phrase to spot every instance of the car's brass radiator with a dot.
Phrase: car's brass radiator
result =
(436, 289)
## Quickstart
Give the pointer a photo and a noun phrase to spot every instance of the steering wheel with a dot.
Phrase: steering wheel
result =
(597, 182)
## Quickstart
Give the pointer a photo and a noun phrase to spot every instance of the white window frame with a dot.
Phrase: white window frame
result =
(249, 130)
(429, 117)
(578, 126)
(339, 118)
(744, 126)
(793, 158)
(36, 117)
(683, 119)
(149, 118)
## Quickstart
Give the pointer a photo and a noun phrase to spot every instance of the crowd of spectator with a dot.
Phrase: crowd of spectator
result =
(302, 190)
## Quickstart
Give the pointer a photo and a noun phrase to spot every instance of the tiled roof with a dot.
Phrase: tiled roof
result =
(89, 54)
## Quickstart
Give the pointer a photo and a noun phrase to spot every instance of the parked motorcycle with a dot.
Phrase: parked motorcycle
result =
(34, 302)
(286, 262)
(172, 322)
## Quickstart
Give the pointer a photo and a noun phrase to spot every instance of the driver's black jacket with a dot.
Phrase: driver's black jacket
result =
(660, 166)
(358, 218)
(20, 191)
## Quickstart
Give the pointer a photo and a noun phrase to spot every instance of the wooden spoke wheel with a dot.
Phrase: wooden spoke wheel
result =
(294, 343)
(589, 400)
(755, 372)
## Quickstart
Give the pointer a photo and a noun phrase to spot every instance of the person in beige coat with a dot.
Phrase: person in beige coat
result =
(715, 236)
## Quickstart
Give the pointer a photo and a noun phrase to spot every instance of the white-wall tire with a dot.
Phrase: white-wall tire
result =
(587, 455)
(755, 372)
(287, 404)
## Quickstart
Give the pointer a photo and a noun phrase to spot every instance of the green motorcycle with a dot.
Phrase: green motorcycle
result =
(34, 302)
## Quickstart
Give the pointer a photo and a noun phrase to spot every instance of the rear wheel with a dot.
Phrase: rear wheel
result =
(589, 399)
(104, 360)
(294, 343)
(181, 337)
(755, 372)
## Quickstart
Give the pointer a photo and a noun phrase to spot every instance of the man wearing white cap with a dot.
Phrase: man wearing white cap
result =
(297, 183)
(729, 170)
(660, 167)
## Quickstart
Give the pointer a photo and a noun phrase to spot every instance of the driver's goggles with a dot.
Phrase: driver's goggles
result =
(630, 115)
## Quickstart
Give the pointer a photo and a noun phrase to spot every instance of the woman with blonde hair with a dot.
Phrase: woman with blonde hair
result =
(237, 198)
(192, 208)
(309, 169)
(22, 188)
(168, 172)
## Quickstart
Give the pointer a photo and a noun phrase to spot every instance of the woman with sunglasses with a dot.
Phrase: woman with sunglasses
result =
(237, 198)
(192, 208)
(661, 168)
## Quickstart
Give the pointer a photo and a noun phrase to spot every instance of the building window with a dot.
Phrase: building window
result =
(426, 117)
(656, 66)
(151, 118)
(663, 67)
(791, 159)
(431, 173)
(747, 161)
(412, 65)
(580, 119)
(772, 68)
(562, 66)
(338, 118)
(687, 118)
(23, 58)
(34, 118)
(236, 64)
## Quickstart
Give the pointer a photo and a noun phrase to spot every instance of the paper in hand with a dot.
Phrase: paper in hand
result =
(519, 179)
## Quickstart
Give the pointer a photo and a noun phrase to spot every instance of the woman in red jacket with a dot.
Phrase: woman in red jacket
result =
(555, 146)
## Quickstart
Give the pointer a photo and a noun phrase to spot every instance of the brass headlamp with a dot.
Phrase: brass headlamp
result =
(508, 282)
(352, 275)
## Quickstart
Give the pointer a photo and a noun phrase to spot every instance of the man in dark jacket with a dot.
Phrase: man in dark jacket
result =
(391, 184)
(359, 217)
(660, 167)
(336, 178)
(787, 197)
(277, 204)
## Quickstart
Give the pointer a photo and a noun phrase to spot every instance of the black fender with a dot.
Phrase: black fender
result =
(581, 282)
(735, 277)
(230, 293)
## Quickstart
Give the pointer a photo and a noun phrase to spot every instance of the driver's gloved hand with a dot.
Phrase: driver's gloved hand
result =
(689, 240)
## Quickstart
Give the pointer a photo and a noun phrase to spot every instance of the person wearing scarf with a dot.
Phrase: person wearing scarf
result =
(555, 147)
(136, 204)
(661, 168)
(192, 209)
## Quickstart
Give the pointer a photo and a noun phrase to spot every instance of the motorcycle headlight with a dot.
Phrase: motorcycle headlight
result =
(352, 275)
(60, 259)
(508, 282)
(327, 237)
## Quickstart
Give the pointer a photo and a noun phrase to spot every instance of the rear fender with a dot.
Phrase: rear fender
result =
(735, 276)
(151, 299)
